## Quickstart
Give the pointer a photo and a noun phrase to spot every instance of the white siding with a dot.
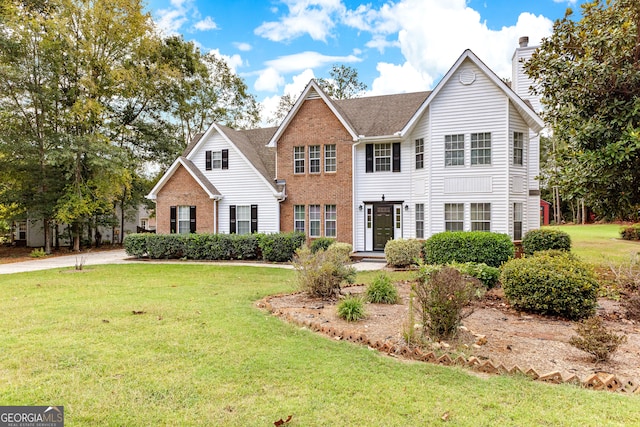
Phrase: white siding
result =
(521, 83)
(240, 185)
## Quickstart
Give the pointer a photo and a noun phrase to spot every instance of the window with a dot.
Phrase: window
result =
(314, 159)
(420, 153)
(243, 219)
(518, 148)
(330, 222)
(382, 157)
(398, 217)
(298, 218)
(454, 150)
(144, 223)
(517, 221)
(480, 216)
(481, 148)
(330, 158)
(454, 216)
(314, 220)
(420, 221)
(216, 160)
(298, 159)
(184, 219)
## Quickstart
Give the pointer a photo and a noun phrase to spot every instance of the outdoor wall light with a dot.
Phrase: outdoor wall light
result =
(406, 208)
(360, 208)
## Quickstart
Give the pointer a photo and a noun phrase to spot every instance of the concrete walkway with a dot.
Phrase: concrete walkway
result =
(119, 256)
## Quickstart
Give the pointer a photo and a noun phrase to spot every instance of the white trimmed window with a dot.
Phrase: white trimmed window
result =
(298, 159)
(184, 219)
(216, 159)
(518, 148)
(330, 220)
(481, 148)
(420, 153)
(480, 216)
(314, 220)
(330, 163)
(298, 218)
(314, 159)
(517, 221)
(243, 219)
(420, 221)
(382, 157)
(454, 150)
(454, 216)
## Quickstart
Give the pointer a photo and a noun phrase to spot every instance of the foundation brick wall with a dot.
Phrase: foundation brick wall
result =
(315, 124)
(183, 190)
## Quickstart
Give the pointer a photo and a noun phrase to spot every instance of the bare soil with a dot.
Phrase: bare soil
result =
(10, 254)
(492, 331)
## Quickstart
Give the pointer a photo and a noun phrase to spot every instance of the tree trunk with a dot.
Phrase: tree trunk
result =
(76, 237)
(47, 235)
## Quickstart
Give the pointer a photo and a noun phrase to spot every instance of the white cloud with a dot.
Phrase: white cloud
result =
(303, 60)
(233, 61)
(244, 47)
(399, 79)
(269, 80)
(269, 105)
(206, 24)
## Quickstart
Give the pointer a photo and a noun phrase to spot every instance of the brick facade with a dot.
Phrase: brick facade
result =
(316, 124)
(182, 190)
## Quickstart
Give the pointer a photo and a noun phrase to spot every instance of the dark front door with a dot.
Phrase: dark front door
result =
(382, 226)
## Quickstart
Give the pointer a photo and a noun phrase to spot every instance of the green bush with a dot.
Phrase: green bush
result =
(321, 243)
(544, 239)
(382, 291)
(280, 247)
(38, 253)
(489, 276)
(402, 253)
(342, 248)
(321, 274)
(351, 309)
(630, 232)
(166, 246)
(135, 244)
(551, 284)
(492, 249)
(441, 293)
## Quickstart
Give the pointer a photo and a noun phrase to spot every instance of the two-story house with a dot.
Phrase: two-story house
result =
(461, 157)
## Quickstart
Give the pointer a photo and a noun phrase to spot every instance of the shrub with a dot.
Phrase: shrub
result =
(630, 232)
(351, 309)
(546, 284)
(544, 239)
(492, 249)
(595, 339)
(321, 243)
(38, 253)
(344, 249)
(321, 274)
(382, 291)
(402, 253)
(135, 244)
(165, 246)
(489, 276)
(280, 247)
(441, 293)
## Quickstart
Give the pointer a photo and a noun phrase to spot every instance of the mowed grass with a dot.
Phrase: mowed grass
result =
(199, 352)
(600, 244)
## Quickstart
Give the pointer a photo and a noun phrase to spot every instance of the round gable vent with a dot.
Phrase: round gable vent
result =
(467, 77)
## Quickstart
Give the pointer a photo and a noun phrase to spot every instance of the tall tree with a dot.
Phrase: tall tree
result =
(342, 83)
(589, 78)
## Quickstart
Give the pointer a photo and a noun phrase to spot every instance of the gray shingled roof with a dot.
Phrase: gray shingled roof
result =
(194, 170)
(380, 115)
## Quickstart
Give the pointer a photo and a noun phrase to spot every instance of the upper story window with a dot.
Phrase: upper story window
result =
(216, 160)
(518, 148)
(481, 148)
(330, 164)
(454, 150)
(298, 159)
(480, 216)
(382, 157)
(454, 216)
(420, 153)
(314, 159)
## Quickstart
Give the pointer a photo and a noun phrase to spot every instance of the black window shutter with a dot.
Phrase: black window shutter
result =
(207, 161)
(369, 157)
(254, 218)
(173, 223)
(232, 219)
(225, 159)
(192, 219)
(396, 157)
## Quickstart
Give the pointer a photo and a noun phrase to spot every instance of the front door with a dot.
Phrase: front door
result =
(382, 225)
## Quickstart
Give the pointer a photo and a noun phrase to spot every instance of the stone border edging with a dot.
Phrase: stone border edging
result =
(598, 381)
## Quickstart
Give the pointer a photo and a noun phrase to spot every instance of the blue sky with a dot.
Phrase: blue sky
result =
(396, 45)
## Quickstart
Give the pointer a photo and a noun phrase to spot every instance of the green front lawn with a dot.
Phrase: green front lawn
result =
(198, 352)
(600, 244)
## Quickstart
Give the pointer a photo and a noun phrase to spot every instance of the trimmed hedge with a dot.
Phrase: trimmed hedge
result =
(321, 243)
(544, 239)
(551, 283)
(402, 253)
(492, 249)
(270, 247)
